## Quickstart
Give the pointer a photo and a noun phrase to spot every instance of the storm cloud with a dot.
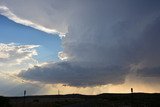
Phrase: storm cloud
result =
(105, 40)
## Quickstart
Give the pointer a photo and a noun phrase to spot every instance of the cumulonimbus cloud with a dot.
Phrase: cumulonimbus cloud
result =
(106, 39)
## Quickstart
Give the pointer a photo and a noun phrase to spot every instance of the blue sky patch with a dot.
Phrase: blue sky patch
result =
(11, 32)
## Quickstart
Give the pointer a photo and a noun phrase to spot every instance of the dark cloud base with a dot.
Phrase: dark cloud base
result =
(70, 73)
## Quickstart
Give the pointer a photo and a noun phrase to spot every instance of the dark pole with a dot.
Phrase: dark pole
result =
(131, 97)
(24, 98)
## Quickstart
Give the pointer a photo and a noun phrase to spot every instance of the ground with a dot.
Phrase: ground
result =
(76, 100)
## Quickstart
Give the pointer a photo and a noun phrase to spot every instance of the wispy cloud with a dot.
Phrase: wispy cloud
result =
(6, 12)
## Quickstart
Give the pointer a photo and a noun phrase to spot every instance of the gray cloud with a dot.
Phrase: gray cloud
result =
(75, 74)
(105, 38)
(149, 72)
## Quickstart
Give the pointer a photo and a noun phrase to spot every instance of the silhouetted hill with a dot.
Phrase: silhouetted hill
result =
(77, 100)
(4, 102)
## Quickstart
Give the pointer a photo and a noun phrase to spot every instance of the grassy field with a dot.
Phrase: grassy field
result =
(75, 100)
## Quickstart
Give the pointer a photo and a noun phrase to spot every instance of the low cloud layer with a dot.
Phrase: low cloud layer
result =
(105, 40)
(75, 74)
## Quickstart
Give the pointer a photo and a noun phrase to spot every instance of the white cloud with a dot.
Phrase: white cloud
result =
(3, 55)
(6, 12)
(62, 56)
(13, 59)
(16, 57)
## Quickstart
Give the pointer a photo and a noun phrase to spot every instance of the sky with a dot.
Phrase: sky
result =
(12, 32)
(89, 46)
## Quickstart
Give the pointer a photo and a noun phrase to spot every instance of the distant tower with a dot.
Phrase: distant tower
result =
(131, 90)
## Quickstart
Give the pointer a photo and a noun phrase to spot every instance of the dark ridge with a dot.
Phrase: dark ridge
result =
(78, 100)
